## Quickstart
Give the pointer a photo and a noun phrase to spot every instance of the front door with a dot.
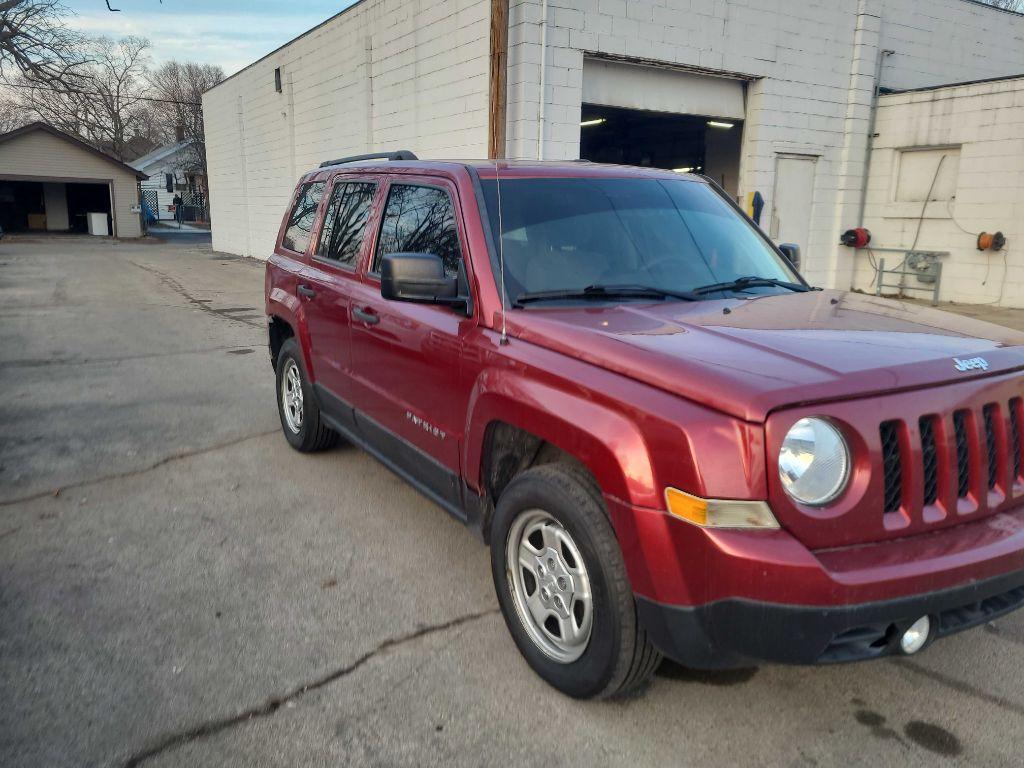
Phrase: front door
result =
(405, 356)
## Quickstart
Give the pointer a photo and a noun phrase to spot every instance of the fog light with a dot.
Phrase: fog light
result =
(913, 639)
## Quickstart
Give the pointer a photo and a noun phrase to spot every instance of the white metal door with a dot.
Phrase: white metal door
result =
(792, 199)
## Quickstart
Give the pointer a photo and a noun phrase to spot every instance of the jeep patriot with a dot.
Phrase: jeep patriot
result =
(671, 443)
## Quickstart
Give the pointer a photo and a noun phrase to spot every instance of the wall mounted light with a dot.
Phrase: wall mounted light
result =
(719, 124)
(595, 121)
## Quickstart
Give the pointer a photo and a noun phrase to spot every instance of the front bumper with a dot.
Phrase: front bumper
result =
(734, 632)
(717, 598)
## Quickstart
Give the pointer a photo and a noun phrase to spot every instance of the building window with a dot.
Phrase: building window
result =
(920, 169)
(277, 79)
(300, 222)
(420, 220)
(345, 222)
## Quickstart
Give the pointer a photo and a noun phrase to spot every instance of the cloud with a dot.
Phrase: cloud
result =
(232, 40)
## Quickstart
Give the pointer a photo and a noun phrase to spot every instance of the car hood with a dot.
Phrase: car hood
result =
(747, 357)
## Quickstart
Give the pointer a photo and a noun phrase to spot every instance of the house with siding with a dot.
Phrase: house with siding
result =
(172, 171)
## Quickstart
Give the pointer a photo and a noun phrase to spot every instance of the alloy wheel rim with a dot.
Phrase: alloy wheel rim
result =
(550, 585)
(291, 396)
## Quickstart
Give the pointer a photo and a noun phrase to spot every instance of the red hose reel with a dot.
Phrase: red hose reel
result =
(856, 238)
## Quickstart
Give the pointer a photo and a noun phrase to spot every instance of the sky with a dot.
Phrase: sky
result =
(231, 33)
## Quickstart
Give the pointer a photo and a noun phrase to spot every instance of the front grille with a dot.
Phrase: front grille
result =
(929, 459)
(991, 444)
(1015, 429)
(892, 465)
(972, 452)
(963, 456)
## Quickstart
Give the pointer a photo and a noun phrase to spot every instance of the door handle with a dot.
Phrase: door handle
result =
(366, 314)
(306, 291)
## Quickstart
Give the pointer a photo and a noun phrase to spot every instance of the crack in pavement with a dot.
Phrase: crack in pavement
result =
(178, 288)
(140, 471)
(1003, 634)
(270, 706)
(44, 363)
(960, 686)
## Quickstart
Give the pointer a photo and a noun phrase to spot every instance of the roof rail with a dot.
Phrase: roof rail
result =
(402, 154)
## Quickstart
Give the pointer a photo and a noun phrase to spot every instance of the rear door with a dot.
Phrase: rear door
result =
(405, 356)
(326, 285)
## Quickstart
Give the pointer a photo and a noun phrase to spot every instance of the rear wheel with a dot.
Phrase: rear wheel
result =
(562, 585)
(301, 422)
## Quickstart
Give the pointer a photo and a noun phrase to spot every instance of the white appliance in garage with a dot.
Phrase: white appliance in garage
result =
(98, 224)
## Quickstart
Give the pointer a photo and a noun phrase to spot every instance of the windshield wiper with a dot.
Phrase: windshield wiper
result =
(603, 292)
(752, 281)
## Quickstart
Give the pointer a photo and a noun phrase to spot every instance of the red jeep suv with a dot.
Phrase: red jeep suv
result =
(672, 444)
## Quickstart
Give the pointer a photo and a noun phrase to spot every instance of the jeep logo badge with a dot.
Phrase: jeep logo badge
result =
(973, 364)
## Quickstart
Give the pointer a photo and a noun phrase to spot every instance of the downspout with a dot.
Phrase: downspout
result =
(869, 145)
(543, 72)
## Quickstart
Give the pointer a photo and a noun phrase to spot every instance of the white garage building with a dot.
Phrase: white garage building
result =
(765, 96)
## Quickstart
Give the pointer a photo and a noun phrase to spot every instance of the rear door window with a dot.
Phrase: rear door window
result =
(345, 222)
(302, 218)
(420, 219)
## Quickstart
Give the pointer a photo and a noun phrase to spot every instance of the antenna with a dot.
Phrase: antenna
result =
(501, 254)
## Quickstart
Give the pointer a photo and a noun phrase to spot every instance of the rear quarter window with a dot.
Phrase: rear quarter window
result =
(303, 216)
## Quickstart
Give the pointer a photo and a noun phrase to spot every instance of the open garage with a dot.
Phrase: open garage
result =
(663, 118)
(53, 182)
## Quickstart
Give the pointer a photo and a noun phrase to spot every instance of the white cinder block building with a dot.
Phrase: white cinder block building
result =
(964, 144)
(765, 96)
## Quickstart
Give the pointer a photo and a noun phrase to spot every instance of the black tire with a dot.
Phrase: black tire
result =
(312, 434)
(618, 657)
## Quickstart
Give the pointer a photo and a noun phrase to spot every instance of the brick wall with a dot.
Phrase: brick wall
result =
(390, 74)
(386, 74)
(983, 127)
(811, 66)
(949, 41)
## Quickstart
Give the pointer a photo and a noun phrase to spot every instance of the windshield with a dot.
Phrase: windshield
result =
(675, 235)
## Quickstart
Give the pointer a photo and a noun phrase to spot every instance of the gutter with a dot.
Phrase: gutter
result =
(870, 144)
(543, 79)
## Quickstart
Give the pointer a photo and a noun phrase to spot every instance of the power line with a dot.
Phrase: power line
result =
(97, 93)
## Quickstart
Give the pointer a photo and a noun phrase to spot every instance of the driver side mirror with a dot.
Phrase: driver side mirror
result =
(792, 252)
(417, 277)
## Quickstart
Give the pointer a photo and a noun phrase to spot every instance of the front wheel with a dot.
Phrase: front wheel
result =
(562, 585)
(301, 422)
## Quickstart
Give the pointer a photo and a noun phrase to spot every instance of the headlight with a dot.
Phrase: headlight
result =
(814, 463)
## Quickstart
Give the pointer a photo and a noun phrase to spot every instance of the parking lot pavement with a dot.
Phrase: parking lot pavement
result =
(178, 587)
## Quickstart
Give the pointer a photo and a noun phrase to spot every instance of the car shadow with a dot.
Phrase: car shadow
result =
(670, 670)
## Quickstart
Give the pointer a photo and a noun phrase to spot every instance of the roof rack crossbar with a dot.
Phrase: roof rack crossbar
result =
(402, 154)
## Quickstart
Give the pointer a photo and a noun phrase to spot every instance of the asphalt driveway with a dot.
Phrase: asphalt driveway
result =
(179, 587)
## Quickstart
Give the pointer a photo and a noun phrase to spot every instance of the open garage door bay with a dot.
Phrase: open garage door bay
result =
(663, 118)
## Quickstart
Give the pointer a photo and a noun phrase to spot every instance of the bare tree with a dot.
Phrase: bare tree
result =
(179, 88)
(35, 42)
(103, 101)
(12, 114)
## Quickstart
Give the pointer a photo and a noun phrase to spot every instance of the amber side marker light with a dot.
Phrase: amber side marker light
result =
(719, 513)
